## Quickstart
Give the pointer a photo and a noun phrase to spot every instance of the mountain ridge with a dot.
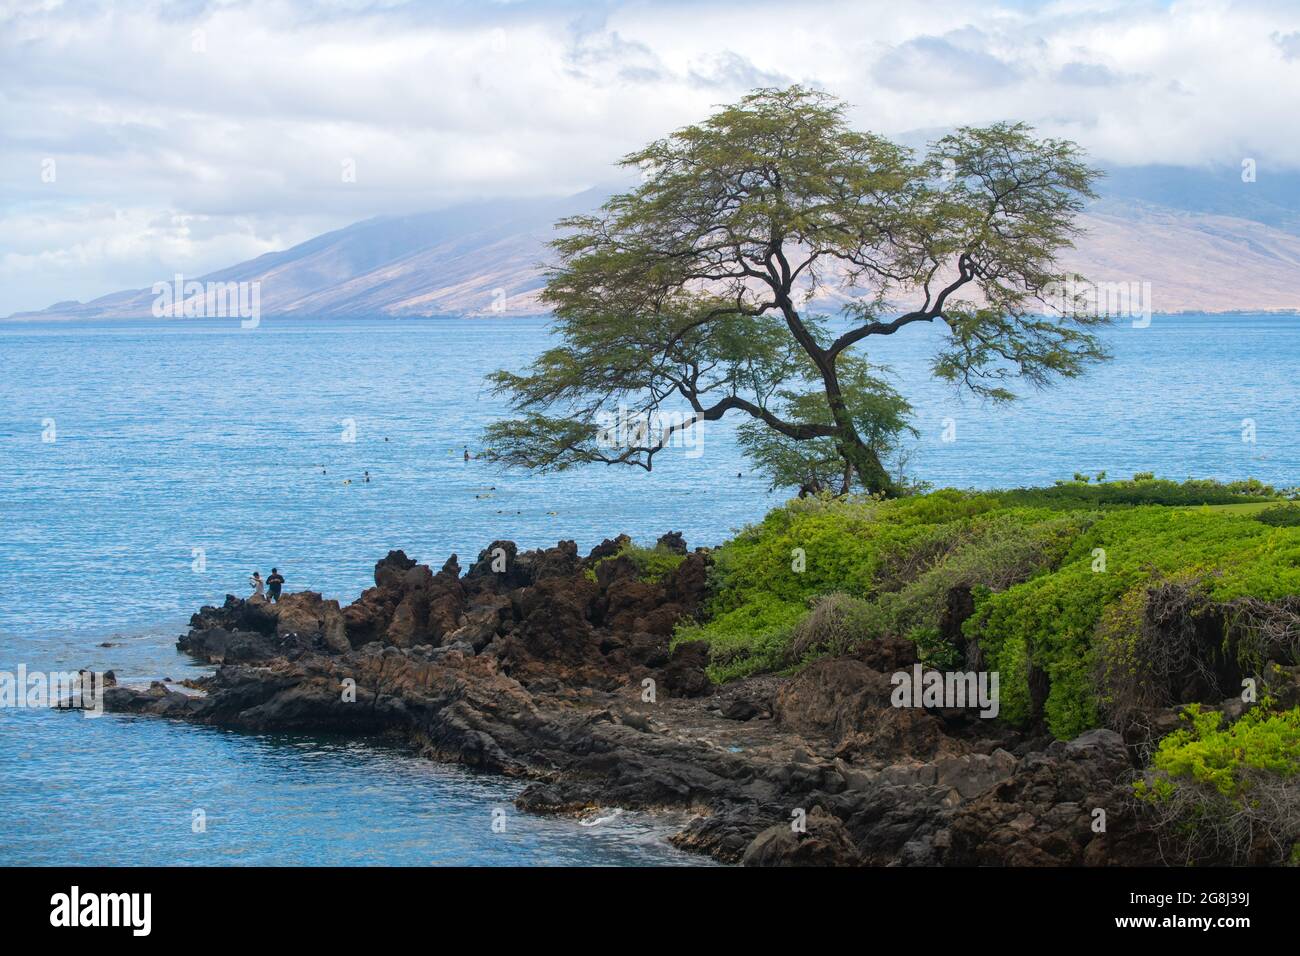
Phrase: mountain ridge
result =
(488, 258)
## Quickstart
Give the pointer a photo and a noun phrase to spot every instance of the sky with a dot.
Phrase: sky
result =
(138, 140)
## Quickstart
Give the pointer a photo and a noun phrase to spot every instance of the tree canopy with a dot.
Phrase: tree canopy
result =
(693, 290)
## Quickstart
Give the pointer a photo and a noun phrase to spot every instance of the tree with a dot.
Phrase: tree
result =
(692, 290)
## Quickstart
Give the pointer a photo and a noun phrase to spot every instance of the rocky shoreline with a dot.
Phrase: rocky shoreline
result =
(556, 668)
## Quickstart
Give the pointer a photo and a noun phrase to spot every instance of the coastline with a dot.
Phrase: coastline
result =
(557, 669)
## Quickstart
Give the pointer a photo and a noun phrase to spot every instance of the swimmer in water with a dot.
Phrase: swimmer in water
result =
(467, 453)
(367, 477)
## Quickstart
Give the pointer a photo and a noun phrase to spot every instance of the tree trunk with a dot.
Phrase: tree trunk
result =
(855, 452)
(857, 455)
(864, 460)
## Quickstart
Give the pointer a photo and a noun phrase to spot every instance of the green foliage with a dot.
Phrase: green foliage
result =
(1060, 578)
(992, 551)
(1144, 489)
(1207, 752)
(1227, 793)
(813, 465)
(653, 564)
(897, 558)
(1051, 619)
(747, 639)
(1281, 516)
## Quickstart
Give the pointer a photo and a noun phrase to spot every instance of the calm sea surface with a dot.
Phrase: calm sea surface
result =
(184, 455)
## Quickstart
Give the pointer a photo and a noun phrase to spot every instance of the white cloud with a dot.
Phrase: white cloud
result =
(189, 137)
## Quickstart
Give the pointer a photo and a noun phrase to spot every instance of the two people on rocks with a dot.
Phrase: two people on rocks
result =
(273, 583)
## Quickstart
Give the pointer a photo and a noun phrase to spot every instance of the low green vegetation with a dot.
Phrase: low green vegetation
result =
(1221, 790)
(1225, 758)
(1052, 619)
(1280, 515)
(1059, 579)
(652, 564)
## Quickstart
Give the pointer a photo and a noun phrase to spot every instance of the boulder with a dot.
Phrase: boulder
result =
(672, 541)
(392, 569)
(825, 842)
(237, 614)
(1044, 813)
(686, 675)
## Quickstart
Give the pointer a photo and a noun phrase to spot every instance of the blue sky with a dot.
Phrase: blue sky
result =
(141, 139)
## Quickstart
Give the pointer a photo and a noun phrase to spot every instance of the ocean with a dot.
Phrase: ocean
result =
(146, 468)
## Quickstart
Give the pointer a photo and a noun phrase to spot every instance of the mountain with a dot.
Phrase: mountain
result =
(1195, 261)
(1205, 241)
(480, 258)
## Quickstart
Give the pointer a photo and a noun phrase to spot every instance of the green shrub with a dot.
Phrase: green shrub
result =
(1143, 489)
(1280, 516)
(765, 579)
(652, 564)
(1221, 794)
(898, 557)
(1222, 757)
(833, 626)
(748, 639)
(822, 575)
(993, 550)
(1051, 619)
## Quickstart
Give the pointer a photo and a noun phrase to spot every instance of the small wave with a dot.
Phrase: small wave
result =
(596, 820)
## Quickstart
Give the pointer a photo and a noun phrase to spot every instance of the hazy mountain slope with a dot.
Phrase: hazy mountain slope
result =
(1273, 198)
(1194, 261)
(1209, 245)
(446, 262)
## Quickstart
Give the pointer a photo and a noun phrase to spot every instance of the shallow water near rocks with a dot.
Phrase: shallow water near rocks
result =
(186, 454)
(125, 790)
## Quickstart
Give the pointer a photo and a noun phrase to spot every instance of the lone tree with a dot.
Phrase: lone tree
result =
(688, 297)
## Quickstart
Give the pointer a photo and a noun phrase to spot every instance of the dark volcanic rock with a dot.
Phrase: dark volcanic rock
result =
(390, 572)
(685, 675)
(672, 541)
(824, 842)
(237, 614)
(534, 669)
(216, 645)
(1044, 814)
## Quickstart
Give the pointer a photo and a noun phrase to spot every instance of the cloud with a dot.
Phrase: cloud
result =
(731, 71)
(930, 64)
(1075, 73)
(186, 136)
(1289, 44)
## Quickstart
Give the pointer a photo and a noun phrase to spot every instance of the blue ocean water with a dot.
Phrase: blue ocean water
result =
(146, 468)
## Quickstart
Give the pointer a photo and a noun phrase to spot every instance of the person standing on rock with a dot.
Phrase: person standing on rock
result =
(274, 581)
(257, 584)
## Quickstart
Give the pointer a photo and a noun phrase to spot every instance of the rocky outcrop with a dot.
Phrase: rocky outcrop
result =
(560, 670)
(307, 614)
(1069, 805)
